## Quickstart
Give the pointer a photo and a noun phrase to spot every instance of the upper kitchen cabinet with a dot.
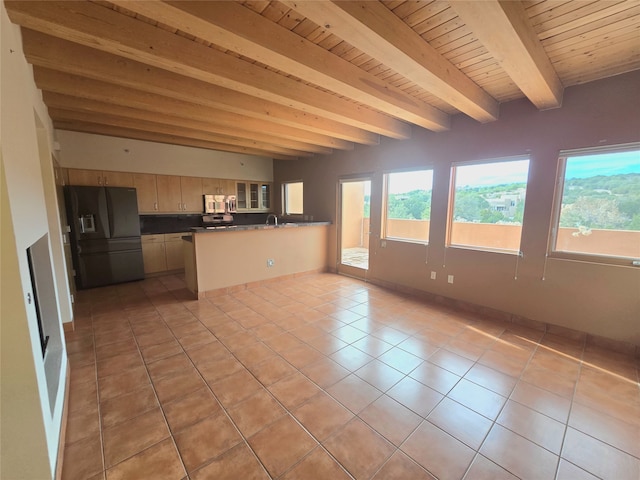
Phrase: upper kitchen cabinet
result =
(179, 194)
(147, 192)
(218, 186)
(100, 178)
(191, 188)
(169, 194)
(253, 196)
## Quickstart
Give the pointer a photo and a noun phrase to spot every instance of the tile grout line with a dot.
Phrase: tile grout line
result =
(406, 321)
(222, 407)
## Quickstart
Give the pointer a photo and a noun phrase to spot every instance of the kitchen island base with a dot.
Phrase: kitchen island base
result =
(216, 260)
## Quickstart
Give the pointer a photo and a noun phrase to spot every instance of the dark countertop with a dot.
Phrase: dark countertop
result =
(259, 226)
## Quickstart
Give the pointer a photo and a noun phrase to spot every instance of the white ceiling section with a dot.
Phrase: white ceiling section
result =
(293, 79)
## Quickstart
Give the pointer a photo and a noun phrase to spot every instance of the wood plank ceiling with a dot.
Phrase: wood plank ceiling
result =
(294, 78)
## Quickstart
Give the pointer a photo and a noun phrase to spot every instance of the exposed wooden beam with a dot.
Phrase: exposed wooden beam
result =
(232, 26)
(504, 28)
(65, 102)
(110, 131)
(374, 29)
(154, 127)
(105, 29)
(58, 84)
(57, 54)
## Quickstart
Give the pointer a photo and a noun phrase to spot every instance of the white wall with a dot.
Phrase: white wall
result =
(30, 430)
(99, 152)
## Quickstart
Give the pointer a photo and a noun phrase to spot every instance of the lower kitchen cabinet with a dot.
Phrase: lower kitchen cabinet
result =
(163, 252)
(153, 253)
(173, 251)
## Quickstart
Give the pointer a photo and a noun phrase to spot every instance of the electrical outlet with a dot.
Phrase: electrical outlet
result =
(270, 262)
(450, 279)
(383, 243)
(433, 275)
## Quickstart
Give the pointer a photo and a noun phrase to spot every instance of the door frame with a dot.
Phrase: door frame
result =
(350, 270)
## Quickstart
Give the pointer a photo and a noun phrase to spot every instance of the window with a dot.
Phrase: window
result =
(408, 205)
(292, 198)
(598, 203)
(488, 204)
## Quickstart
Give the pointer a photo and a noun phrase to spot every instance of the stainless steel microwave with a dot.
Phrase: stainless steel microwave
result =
(219, 203)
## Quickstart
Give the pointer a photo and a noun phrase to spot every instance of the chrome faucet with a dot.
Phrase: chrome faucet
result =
(275, 219)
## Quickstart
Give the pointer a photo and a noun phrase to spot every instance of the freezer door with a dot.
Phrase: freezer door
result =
(87, 212)
(89, 247)
(122, 204)
(99, 269)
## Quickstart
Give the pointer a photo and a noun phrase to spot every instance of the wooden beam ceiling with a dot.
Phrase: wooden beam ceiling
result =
(238, 29)
(505, 30)
(291, 79)
(158, 127)
(93, 25)
(60, 88)
(57, 102)
(65, 56)
(375, 30)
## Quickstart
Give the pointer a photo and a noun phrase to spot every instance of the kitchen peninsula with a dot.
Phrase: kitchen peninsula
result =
(234, 256)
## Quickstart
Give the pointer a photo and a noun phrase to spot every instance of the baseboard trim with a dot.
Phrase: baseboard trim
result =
(260, 283)
(63, 426)
(486, 312)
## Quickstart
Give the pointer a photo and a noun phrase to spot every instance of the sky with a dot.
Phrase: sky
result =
(500, 173)
(403, 182)
(487, 174)
(603, 164)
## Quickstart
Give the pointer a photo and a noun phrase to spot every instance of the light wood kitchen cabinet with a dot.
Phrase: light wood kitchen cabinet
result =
(173, 250)
(169, 194)
(153, 253)
(191, 188)
(218, 186)
(147, 192)
(100, 178)
(163, 252)
(253, 196)
(179, 194)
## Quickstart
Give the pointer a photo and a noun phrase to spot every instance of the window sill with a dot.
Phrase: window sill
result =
(598, 259)
(406, 240)
(474, 248)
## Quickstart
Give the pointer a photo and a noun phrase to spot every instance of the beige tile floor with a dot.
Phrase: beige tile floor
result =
(327, 377)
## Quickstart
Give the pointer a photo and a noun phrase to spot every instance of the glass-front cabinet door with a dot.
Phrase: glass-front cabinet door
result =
(253, 192)
(265, 196)
(252, 196)
(241, 195)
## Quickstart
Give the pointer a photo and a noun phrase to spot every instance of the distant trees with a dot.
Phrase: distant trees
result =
(593, 212)
(607, 202)
(415, 205)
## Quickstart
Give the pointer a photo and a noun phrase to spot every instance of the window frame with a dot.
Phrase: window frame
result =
(554, 228)
(385, 205)
(451, 204)
(285, 198)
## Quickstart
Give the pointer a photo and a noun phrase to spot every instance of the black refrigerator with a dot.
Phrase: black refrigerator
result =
(105, 235)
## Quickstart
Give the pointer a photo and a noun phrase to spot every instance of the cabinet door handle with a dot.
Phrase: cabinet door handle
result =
(155, 205)
(184, 206)
(106, 180)
(99, 180)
